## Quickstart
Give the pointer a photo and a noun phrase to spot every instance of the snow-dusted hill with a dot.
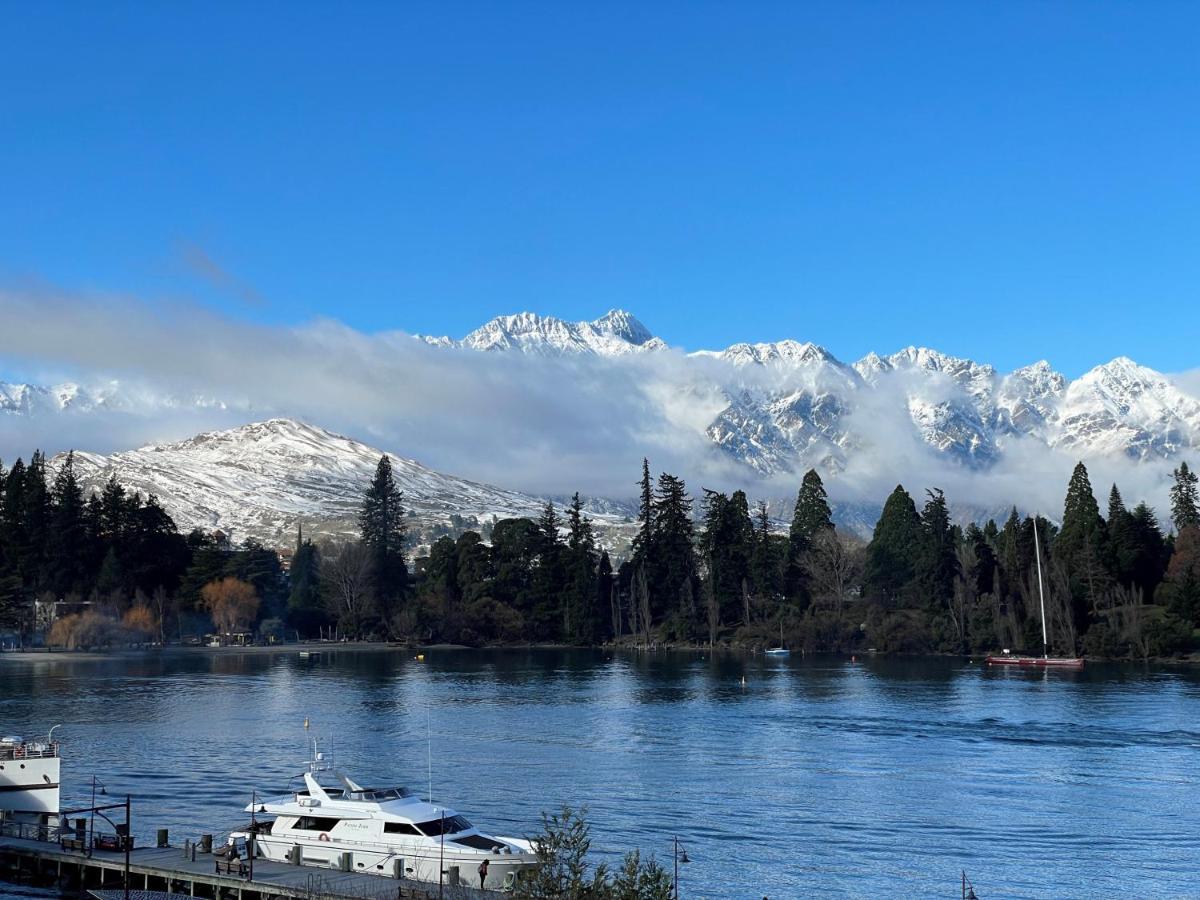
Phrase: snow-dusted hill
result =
(262, 480)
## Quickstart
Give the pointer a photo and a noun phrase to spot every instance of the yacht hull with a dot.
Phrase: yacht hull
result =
(1037, 662)
(29, 785)
(415, 863)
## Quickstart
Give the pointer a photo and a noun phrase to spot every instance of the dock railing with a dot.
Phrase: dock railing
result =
(29, 831)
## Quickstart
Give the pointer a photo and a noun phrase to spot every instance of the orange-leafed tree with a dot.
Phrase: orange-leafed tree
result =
(141, 621)
(233, 604)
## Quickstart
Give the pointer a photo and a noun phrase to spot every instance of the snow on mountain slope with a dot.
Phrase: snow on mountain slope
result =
(262, 480)
(616, 333)
(779, 408)
(1121, 407)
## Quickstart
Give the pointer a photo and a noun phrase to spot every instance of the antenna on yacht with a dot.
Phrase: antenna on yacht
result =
(429, 753)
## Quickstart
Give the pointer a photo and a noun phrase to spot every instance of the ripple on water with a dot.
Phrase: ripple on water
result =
(814, 777)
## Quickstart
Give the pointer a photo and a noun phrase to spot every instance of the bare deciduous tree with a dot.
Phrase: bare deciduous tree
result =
(833, 564)
(346, 572)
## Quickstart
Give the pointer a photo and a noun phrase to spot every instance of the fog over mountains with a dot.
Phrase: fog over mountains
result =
(541, 406)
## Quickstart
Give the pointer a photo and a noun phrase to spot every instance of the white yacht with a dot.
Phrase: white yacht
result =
(28, 785)
(383, 831)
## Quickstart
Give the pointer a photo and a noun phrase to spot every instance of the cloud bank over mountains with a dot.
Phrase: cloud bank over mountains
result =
(545, 406)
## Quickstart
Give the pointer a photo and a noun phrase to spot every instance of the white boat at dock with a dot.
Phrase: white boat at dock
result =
(29, 784)
(380, 831)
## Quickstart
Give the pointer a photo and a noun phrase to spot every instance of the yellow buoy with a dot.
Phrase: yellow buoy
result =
(420, 657)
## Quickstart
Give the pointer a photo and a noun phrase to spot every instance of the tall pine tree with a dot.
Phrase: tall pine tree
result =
(891, 555)
(381, 526)
(1185, 500)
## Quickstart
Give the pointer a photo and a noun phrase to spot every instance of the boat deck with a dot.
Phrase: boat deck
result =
(169, 869)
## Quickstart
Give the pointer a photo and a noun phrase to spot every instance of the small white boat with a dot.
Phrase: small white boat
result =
(780, 650)
(381, 831)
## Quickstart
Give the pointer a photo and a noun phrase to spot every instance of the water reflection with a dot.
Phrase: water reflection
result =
(798, 776)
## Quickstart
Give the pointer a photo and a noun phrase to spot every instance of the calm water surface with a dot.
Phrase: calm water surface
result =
(813, 778)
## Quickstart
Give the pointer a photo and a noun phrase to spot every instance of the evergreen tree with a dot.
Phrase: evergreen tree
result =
(1081, 545)
(727, 543)
(1121, 543)
(674, 557)
(35, 516)
(936, 559)
(643, 540)
(306, 609)
(608, 615)
(1185, 500)
(67, 535)
(891, 555)
(547, 609)
(580, 617)
(381, 525)
(811, 514)
(1150, 555)
(767, 562)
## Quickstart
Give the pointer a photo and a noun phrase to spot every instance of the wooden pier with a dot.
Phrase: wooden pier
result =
(172, 870)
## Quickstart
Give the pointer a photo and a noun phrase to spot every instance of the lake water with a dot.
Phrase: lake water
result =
(814, 777)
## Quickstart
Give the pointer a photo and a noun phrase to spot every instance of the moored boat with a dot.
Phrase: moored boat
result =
(29, 785)
(1045, 661)
(382, 831)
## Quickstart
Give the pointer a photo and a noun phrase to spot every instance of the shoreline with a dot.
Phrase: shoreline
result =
(322, 647)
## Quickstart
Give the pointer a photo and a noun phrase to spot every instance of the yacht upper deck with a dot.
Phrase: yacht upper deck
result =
(17, 748)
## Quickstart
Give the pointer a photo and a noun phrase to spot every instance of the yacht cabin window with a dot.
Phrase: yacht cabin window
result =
(453, 825)
(399, 828)
(316, 823)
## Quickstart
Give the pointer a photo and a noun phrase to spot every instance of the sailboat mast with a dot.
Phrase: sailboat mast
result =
(1037, 552)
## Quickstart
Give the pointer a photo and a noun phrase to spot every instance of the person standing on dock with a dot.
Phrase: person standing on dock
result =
(483, 870)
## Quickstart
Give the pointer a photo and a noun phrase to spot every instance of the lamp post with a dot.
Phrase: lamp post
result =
(92, 814)
(442, 855)
(680, 855)
(128, 844)
(250, 839)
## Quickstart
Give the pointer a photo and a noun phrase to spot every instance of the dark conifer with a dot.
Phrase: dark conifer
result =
(891, 555)
(382, 528)
(936, 560)
(1185, 498)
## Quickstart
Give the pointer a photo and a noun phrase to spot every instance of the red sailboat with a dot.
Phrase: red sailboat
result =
(1045, 661)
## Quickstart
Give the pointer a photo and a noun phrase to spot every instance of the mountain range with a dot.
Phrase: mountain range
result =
(789, 405)
(768, 411)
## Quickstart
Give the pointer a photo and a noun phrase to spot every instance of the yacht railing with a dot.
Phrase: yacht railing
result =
(29, 751)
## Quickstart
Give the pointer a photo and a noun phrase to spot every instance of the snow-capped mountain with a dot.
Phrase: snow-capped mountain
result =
(264, 479)
(772, 408)
(614, 334)
(34, 399)
(790, 404)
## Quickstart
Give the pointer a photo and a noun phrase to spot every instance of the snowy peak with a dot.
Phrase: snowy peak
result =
(614, 334)
(623, 325)
(787, 352)
(33, 399)
(1122, 407)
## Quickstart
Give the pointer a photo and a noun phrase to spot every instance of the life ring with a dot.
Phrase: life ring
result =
(323, 837)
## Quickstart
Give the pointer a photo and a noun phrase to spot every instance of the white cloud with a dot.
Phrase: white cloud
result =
(545, 425)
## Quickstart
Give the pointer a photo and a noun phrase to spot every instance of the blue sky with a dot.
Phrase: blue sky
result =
(1004, 181)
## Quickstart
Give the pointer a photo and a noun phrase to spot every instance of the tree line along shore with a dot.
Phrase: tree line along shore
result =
(112, 569)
